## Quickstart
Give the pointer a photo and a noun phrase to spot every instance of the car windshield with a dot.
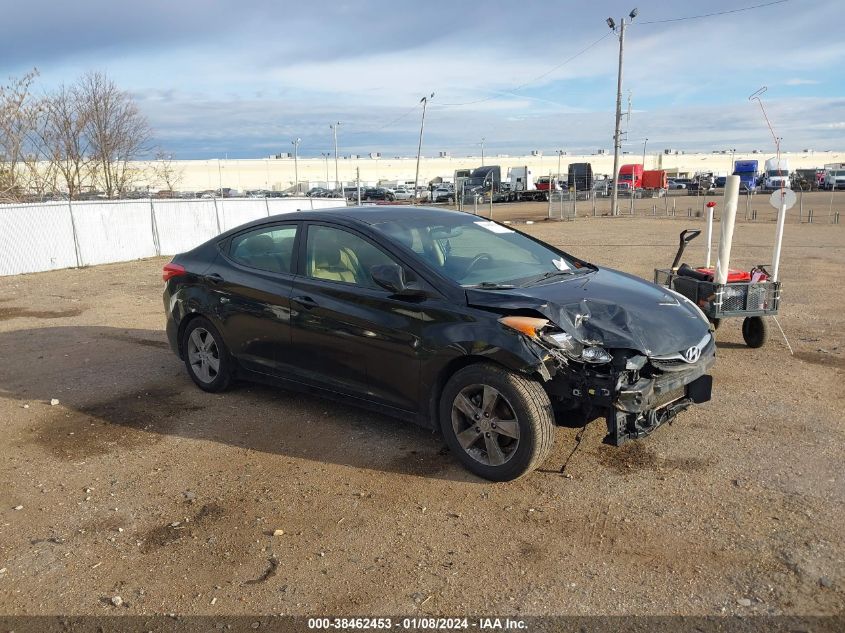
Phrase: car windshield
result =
(479, 253)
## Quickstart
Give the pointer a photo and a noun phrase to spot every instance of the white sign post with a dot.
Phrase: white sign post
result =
(782, 200)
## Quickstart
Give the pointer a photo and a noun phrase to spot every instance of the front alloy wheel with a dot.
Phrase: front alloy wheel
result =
(485, 425)
(498, 423)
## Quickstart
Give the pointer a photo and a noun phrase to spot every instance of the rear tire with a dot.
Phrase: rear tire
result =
(754, 331)
(499, 424)
(206, 356)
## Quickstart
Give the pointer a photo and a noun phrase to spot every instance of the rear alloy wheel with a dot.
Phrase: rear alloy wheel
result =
(499, 424)
(206, 356)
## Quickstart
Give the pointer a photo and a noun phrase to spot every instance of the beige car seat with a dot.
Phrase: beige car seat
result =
(329, 260)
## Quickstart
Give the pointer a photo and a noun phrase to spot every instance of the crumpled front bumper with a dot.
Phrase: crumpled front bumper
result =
(650, 402)
(653, 393)
(634, 409)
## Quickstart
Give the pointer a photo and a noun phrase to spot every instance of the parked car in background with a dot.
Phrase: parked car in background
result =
(602, 187)
(402, 193)
(720, 182)
(440, 318)
(678, 183)
(377, 193)
(443, 194)
(351, 193)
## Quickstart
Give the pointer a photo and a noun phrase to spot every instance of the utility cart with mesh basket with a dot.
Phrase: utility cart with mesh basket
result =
(748, 295)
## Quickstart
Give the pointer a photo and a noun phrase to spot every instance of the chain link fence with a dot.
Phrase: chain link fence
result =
(47, 236)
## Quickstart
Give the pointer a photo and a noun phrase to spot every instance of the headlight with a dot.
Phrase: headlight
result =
(567, 343)
(576, 351)
(596, 355)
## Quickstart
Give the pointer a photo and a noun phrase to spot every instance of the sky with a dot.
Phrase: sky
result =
(243, 78)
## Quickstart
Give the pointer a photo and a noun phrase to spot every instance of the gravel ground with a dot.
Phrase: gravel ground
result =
(136, 484)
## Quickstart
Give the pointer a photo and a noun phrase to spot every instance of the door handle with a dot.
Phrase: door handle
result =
(306, 302)
(215, 278)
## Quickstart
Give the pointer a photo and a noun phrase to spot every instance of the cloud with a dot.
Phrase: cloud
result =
(243, 78)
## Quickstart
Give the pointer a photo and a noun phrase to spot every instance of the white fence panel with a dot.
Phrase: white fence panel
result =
(35, 238)
(116, 231)
(288, 205)
(237, 211)
(46, 236)
(328, 203)
(184, 224)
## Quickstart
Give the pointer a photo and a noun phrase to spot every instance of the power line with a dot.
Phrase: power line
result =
(533, 79)
(503, 94)
(710, 15)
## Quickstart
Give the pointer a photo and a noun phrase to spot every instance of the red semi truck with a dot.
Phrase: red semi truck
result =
(631, 177)
(655, 179)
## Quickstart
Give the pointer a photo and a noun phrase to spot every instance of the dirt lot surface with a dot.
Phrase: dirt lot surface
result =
(138, 484)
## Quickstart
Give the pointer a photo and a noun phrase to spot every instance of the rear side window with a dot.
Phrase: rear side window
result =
(268, 248)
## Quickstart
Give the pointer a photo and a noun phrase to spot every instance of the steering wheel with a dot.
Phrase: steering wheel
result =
(475, 260)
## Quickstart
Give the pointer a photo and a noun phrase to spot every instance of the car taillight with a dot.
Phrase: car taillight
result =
(172, 270)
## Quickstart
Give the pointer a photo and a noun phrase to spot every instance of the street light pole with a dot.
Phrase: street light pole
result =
(424, 102)
(559, 154)
(645, 142)
(334, 127)
(295, 144)
(326, 155)
(482, 151)
(616, 140)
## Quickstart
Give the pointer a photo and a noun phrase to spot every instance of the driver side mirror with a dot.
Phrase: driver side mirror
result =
(391, 277)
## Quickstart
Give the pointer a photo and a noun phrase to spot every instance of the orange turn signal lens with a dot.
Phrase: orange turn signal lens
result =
(530, 326)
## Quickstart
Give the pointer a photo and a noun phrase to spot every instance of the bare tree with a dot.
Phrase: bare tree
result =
(166, 171)
(16, 122)
(61, 131)
(116, 130)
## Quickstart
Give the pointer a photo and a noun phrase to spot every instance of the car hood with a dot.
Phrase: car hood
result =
(608, 308)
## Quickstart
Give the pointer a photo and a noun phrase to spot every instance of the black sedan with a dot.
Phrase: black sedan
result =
(440, 318)
(378, 193)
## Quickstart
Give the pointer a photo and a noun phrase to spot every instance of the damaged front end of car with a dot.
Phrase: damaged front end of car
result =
(635, 390)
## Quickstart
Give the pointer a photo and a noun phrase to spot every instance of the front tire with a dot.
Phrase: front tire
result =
(206, 356)
(499, 424)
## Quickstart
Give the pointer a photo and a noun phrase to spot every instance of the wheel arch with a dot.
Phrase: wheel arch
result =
(458, 363)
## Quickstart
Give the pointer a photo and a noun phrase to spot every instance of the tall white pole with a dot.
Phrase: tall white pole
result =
(723, 259)
(779, 237)
(709, 234)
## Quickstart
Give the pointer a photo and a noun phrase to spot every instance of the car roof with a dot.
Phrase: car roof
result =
(369, 214)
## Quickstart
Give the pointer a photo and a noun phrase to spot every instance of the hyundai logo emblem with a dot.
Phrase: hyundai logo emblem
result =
(692, 354)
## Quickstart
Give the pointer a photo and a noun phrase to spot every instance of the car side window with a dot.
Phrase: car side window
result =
(267, 248)
(338, 255)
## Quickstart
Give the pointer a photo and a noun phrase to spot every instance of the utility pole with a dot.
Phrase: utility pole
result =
(482, 151)
(295, 144)
(334, 127)
(616, 140)
(424, 102)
